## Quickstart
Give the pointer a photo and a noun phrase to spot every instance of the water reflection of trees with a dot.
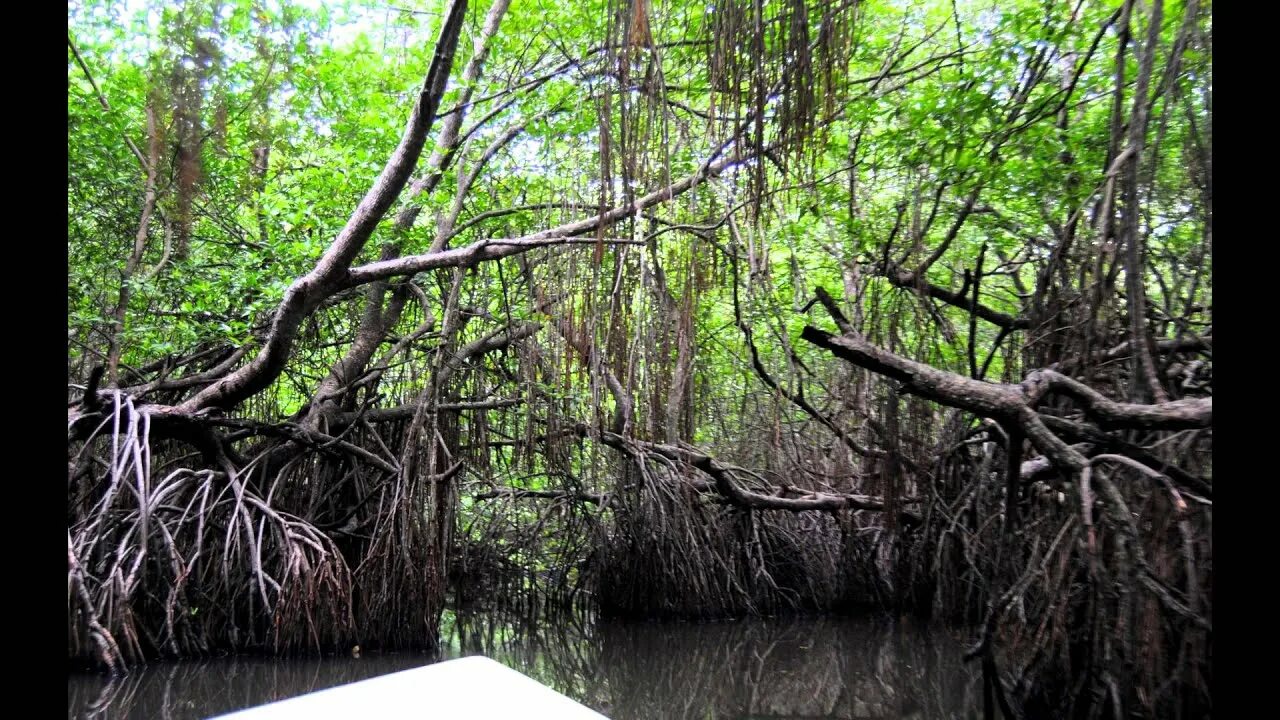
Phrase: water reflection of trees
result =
(797, 668)
(194, 690)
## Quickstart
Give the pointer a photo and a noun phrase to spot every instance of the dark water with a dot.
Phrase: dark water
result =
(780, 669)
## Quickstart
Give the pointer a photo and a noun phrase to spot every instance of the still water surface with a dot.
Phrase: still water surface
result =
(774, 669)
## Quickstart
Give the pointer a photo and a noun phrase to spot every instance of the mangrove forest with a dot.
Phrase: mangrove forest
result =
(386, 312)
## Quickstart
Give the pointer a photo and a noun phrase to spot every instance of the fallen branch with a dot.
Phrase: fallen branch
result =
(725, 485)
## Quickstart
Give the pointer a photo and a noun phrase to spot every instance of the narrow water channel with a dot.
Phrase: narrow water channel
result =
(779, 669)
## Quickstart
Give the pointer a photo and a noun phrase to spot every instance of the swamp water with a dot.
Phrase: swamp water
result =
(776, 669)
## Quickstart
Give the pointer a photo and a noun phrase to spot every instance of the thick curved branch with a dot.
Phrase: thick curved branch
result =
(308, 291)
(378, 320)
(1008, 402)
(493, 249)
(977, 396)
